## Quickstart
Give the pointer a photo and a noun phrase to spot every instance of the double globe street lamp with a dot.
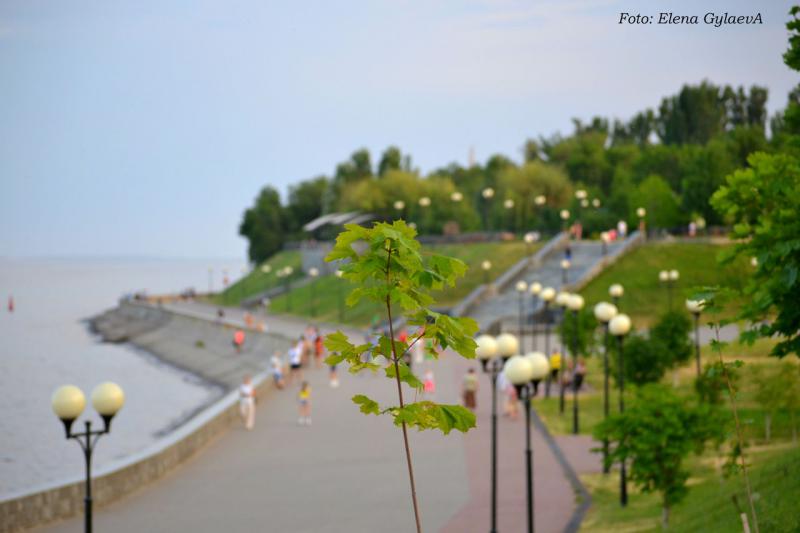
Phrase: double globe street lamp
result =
(575, 304)
(548, 295)
(616, 291)
(669, 277)
(525, 373)
(562, 300)
(619, 326)
(68, 403)
(492, 353)
(604, 312)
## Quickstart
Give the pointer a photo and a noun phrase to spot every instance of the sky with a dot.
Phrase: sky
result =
(145, 128)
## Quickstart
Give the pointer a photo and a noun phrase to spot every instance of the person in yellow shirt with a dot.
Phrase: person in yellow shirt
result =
(304, 404)
(555, 365)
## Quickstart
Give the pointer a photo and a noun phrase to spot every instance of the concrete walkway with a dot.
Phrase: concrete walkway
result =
(347, 471)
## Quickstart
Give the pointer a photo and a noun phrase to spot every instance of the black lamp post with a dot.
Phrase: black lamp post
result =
(575, 304)
(522, 288)
(486, 266)
(536, 290)
(525, 373)
(562, 300)
(68, 403)
(487, 353)
(619, 326)
(487, 194)
(313, 272)
(565, 265)
(604, 312)
(340, 296)
(616, 291)
(548, 294)
(696, 307)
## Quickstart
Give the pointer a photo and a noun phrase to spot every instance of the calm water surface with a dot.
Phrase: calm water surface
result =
(44, 343)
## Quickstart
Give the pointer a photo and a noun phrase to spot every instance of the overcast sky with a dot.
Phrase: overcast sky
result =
(146, 127)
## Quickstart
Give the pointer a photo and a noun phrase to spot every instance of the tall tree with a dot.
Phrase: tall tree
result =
(694, 115)
(263, 226)
(392, 159)
(306, 201)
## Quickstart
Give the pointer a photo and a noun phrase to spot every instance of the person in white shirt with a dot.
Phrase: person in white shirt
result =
(296, 360)
(247, 402)
(276, 364)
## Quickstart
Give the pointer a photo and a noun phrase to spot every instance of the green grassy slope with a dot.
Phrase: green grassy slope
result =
(258, 281)
(645, 296)
(321, 299)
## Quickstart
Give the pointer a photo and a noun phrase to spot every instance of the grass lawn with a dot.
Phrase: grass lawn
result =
(590, 401)
(709, 505)
(321, 299)
(258, 281)
(646, 297)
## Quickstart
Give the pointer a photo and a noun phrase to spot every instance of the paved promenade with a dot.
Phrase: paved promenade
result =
(347, 471)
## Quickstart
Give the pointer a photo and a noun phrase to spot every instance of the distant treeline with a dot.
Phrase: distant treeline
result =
(668, 161)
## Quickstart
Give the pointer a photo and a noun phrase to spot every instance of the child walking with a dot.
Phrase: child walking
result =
(304, 404)
(247, 402)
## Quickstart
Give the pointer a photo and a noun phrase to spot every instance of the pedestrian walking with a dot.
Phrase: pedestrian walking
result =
(319, 348)
(238, 340)
(276, 365)
(555, 365)
(470, 389)
(247, 402)
(580, 373)
(510, 408)
(429, 385)
(304, 404)
(296, 360)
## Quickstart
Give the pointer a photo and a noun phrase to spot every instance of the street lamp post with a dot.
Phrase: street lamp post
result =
(530, 238)
(522, 288)
(519, 371)
(696, 307)
(565, 266)
(487, 194)
(641, 212)
(400, 207)
(575, 304)
(536, 289)
(508, 204)
(313, 272)
(562, 300)
(486, 266)
(487, 352)
(424, 203)
(287, 276)
(616, 291)
(673, 280)
(604, 312)
(619, 326)
(548, 294)
(564, 214)
(340, 297)
(68, 403)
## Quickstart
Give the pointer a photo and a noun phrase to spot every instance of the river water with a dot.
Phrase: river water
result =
(45, 343)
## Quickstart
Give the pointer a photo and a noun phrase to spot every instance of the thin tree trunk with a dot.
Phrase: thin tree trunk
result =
(768, 425)
(664, 517)
(739, 437)
(402, 404)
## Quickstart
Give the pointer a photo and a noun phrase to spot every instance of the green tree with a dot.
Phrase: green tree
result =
(386, 264)
(771, 386)
(392, 159)
(695, 115)
(663, 210)
(762, 202)
(263, 226)
(306, 201)
(792, 59)
(655, 434)
(672, 330)
(576, 331)
(645, 360)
